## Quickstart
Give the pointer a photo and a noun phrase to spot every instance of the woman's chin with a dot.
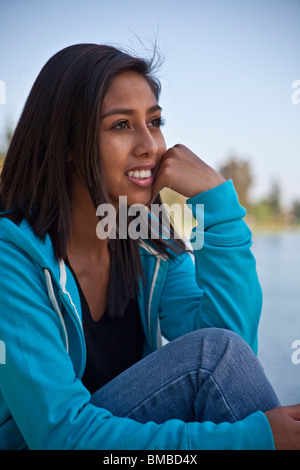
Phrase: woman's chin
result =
(140, 197)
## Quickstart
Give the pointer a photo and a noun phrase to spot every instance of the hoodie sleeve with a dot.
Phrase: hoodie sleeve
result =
(220, 287)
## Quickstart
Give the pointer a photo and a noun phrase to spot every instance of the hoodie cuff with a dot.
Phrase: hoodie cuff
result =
(219, 214)
(251, 433)
(221, 205)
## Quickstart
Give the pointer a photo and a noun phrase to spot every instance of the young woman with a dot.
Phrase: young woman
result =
(82, 317)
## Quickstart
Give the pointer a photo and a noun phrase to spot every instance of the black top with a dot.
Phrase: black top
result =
(113, 344)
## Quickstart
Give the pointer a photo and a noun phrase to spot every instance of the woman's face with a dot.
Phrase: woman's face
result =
(131, 141)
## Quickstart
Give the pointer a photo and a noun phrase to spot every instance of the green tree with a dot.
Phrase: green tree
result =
(274, 199)
(296, 210)
(240, 172)
(269, 210)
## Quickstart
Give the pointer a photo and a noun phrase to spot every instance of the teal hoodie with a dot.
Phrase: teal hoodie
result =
(43, 403)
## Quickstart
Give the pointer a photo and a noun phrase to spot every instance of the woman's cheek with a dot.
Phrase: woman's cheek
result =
(162, 149)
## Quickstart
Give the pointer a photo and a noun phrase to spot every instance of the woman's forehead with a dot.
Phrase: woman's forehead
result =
(128, 88)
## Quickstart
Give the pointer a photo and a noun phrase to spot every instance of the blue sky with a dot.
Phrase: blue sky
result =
(227, 75)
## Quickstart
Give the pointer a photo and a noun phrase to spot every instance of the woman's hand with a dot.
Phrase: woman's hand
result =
(184, 172)
(285, 425)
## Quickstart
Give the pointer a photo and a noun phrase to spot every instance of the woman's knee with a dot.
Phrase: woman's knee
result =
(209, 346)
(213, 338)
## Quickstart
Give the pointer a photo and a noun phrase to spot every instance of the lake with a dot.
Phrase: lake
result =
(278, 265)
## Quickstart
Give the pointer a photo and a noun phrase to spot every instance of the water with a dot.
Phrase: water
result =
(278, 266)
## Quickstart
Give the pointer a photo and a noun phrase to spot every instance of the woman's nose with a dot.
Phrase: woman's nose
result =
(145, 144)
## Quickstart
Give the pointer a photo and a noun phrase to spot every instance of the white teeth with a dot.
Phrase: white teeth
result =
(140, 174)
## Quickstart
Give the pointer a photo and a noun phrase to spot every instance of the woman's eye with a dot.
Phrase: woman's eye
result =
(157, 122)
(154, 123)
(121, 125)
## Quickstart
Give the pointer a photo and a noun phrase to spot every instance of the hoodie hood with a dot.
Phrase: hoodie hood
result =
(59, 282)
(23, 237)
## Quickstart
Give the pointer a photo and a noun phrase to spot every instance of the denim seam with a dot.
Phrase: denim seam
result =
(223, 397)
(190, 372)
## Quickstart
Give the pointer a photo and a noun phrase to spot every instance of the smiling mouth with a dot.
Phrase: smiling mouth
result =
(142, 177)
(139, 174)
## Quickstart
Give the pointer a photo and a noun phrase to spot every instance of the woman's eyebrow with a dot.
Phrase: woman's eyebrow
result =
(130, 111)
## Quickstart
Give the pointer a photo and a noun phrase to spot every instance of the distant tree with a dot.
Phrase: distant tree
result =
(296, 209)
(269, 208)
(240, 172)
(262, 210)
(274, 198)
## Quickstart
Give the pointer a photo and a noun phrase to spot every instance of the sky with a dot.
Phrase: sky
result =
(227, 73)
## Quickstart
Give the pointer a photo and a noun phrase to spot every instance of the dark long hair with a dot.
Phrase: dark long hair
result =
(62, 115)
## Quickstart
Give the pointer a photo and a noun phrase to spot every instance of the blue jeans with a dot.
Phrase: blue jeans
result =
(208, 375)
